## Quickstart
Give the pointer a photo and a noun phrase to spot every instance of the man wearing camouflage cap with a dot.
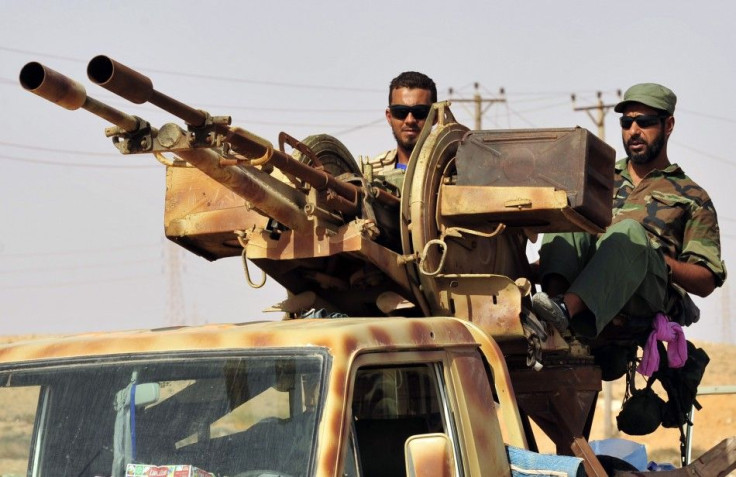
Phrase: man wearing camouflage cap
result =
(662, 244)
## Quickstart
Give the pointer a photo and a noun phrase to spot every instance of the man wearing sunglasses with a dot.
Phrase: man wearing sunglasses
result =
(662, 244)
(410, 97)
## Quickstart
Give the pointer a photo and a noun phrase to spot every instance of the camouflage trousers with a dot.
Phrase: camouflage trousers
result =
(618, 272)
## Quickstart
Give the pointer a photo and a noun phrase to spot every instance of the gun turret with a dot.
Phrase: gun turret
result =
(438, 247)
(231, 191)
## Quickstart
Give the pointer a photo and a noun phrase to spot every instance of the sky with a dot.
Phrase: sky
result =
(81, 234)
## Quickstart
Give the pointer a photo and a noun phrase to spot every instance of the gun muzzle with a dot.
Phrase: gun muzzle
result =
(137, 88)
(53, 86)
(67, 93)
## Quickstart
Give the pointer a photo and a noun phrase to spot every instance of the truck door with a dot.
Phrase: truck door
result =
(390, 403)
(398, 395)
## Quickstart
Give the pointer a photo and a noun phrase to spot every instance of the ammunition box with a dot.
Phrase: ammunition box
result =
(568, 159)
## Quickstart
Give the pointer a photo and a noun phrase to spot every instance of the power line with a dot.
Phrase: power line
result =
(544, 97)
(522, 118)
(76, 164)
(55, 149)
(79, 251)
(311, 86)
(67, 284)
(359, 126)
(600, 108)
(113, 100)
(210, 107)
(290, 110)
(703, 153)
(479, 103)
(559, 93)
(46, 55)
(281, 84)
(76, 267)
(509, 96)
(306, 125)
(711, 116)
(542, 108)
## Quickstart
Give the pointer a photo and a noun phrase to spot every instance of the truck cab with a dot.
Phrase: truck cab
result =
(336, 397)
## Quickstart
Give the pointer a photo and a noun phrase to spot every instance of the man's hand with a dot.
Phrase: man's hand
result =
(692, 277)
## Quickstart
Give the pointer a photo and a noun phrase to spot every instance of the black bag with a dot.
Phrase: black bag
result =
(643, 410)
(641, 413)
(681, 385)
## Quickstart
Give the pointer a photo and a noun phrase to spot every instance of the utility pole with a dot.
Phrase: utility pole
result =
(175, 313)
(599, 119)
(726, 314)
(600, 108)
(479, 102)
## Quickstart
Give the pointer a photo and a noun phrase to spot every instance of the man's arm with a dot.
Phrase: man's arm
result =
(692, 277)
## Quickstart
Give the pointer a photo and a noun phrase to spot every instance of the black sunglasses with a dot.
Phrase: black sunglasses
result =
(401, 111)
(643, 120)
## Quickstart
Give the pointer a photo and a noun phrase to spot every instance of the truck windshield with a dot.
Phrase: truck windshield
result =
(243, 414)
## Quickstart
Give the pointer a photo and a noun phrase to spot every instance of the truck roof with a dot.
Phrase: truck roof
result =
(342, 336)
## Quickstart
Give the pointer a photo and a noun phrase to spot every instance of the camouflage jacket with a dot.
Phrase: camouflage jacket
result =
(383, 162)
(678, 214)
(385, 171)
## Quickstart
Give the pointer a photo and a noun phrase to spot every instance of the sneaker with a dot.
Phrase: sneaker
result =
(551, 310)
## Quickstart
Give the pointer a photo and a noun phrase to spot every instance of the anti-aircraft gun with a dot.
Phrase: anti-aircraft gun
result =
(451, 241)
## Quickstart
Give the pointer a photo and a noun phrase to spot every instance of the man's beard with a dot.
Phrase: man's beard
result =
(405, 145)
(652, 150)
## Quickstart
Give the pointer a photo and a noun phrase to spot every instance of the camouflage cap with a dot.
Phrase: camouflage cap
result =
(651, 94)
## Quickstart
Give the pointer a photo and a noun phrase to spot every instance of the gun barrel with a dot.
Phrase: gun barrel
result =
(52, 85)
(137, 88)
(318, 179)
(67, 93)
(265, 193)
(133, 86)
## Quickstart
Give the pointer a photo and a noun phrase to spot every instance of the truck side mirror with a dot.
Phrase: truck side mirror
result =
(429, 455)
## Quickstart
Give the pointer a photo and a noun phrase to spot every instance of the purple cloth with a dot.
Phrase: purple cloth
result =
(670, 332)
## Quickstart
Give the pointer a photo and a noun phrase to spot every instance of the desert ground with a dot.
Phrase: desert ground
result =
(713, 423)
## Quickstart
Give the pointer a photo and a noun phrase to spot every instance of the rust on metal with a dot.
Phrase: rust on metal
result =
(561, 400)
(299, 146)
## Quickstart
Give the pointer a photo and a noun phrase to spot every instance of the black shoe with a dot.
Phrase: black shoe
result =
(533, 326)
(551, 310)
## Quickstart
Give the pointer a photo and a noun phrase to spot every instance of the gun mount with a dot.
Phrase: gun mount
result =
(450, 242)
